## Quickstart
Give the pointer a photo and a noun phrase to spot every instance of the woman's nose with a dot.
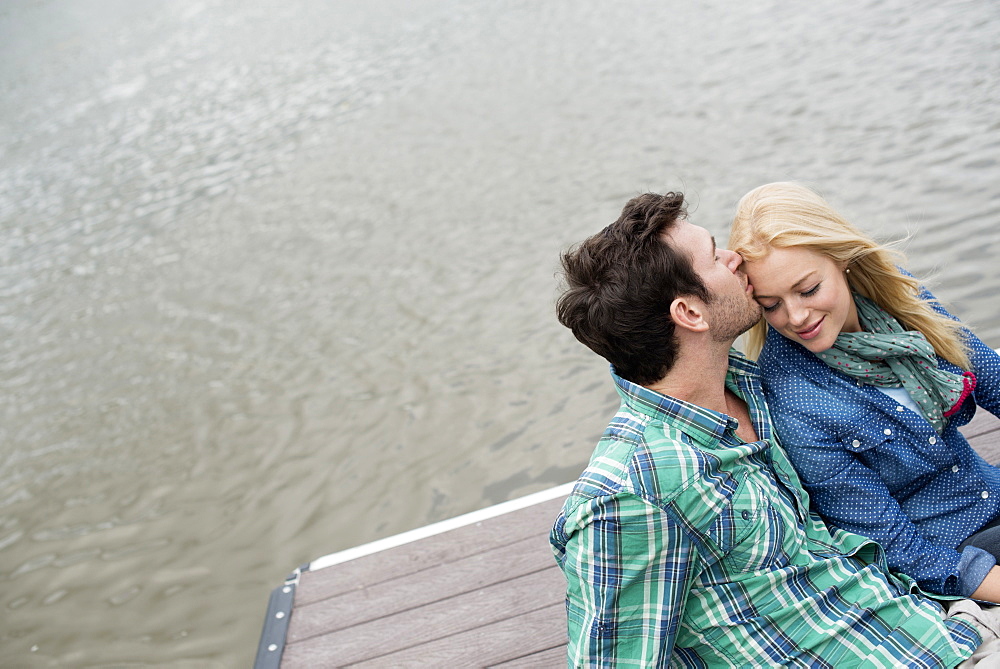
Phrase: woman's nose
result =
(797, 314)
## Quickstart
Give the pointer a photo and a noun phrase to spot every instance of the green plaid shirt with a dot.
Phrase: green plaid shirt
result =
(684, 546)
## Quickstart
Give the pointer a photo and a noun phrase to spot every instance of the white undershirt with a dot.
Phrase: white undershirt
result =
(903, 397)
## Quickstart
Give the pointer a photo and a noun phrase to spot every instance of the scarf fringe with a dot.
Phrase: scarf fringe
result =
(969, 383)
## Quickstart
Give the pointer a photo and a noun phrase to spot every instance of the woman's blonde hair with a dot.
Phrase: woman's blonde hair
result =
(788, 214)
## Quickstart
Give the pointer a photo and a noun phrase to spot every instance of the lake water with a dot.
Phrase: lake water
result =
(277, 278)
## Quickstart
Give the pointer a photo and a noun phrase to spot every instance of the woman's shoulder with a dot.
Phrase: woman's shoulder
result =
(781, 356)
(792, 374)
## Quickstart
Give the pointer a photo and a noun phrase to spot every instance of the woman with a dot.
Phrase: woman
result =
(868, 379)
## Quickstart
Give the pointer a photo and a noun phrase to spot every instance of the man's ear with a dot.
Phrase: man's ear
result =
(688, 312)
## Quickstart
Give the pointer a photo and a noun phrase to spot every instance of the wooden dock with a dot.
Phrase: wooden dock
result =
(480, 590)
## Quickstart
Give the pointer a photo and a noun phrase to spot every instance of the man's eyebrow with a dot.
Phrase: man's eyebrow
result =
(714, 247)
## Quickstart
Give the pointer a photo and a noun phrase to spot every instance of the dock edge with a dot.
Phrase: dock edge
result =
(279, 612)
(279, 606)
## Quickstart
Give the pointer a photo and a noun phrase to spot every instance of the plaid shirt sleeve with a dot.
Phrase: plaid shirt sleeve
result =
(630, 569)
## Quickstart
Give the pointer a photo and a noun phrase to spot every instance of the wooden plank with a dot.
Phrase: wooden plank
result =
(512, 640)
(430, 585)
(983, 433)
(409, 559)
(988, 446)
(429, 623)
(551, 657)
(983, 422)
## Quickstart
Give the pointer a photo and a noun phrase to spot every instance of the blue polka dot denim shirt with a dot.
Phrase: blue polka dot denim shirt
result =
(875, 467)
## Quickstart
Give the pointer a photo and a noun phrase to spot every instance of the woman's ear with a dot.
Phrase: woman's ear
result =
(688, 312)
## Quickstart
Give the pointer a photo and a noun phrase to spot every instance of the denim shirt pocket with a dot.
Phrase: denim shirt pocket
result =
(900, 456)
(866, 436)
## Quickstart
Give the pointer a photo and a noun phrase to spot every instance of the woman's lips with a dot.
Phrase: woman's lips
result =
(811, 332)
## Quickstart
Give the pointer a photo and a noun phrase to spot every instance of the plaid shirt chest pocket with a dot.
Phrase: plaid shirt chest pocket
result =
(750, 531)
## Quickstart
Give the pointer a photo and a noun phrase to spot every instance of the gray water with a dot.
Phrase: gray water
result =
(277, 278)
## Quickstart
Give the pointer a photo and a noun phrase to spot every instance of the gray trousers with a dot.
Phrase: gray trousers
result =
(987, 621)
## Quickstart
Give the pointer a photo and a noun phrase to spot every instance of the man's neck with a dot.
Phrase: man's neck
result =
(698, 376)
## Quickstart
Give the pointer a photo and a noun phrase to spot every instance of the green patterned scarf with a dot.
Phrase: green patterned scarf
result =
(888, 356)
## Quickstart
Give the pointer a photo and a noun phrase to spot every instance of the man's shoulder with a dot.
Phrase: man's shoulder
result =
(642, 456)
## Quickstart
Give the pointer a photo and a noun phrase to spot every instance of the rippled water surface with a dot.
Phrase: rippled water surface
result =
(277, 277)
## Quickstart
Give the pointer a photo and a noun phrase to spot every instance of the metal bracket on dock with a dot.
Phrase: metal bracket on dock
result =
(279, 611)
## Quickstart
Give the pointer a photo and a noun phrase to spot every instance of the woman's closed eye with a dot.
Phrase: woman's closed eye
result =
(768, 307)
(774, 305)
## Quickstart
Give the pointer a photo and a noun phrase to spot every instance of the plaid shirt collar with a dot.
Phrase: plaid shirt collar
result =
(704, 426)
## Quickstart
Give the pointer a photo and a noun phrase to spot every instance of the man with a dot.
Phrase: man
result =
(688, 540)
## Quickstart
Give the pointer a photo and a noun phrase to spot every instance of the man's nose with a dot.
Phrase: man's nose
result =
(733, 260)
